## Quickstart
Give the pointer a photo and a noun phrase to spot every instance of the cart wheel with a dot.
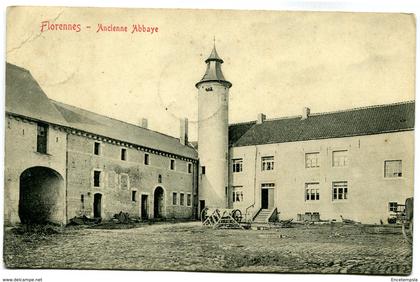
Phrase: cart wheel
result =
(204, 215)
(237, 215)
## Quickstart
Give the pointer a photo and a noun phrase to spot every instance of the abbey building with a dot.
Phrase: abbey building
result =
(62, 161)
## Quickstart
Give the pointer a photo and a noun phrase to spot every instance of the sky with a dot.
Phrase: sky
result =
(278, 62)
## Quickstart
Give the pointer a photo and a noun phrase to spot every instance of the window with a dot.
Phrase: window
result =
(203, 170)
(174, 198)
(41, 138)
(124, 181)
(267, 163)
(160, 178)
(189, 167)
(181, 199)
(311, 160)
(267, 185)
(123, 154)
(146, 159)
(97, 178)
(237, 165)
(82, 201)
(340, 158)
(311, 191)
(339, 190)
(393, 169)
(237, 194)
(97, 148)
(189, 200)
(393, 206)
(172, 165)
(133, 196)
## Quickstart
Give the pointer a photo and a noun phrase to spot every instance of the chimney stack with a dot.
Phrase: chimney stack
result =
(144, 123)
(261, 118)
(183, 138)
(306, 112)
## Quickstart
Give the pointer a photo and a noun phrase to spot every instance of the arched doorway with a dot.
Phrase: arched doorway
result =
(41, 196)
(97, 205)
(158, 202)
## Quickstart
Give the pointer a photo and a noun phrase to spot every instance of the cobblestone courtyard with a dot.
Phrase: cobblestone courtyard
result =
(190, 247)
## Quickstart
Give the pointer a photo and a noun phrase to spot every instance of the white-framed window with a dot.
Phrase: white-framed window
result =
(267, 185)
(312, 191)
(172, 164)
(312, 160)
(97, 148)
(174, 198)
(393, 168)
(189, 167)
(97, 178)
(340, 158)
(237, 165)
(123, 154)
(237, 194)
(393, 206)
(267, 163)
(124, 181)
(339, 190)
(181, 199)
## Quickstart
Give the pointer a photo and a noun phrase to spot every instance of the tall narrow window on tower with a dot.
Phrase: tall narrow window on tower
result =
(42, 138)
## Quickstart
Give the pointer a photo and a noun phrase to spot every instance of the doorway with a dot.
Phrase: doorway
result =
(97, 205)
(144, 207)
(158, 202)
(267, 198)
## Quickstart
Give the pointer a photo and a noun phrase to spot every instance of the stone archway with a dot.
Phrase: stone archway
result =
(41, 196)
(158, 202)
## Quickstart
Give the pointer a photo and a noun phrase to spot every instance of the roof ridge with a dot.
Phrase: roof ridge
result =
(128, 123)
(345, 110)
(365, 107)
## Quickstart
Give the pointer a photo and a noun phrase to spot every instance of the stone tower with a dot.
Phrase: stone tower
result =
(213, 101)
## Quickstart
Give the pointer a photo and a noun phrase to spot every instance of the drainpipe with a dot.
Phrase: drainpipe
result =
(255, 182)
(67, 183)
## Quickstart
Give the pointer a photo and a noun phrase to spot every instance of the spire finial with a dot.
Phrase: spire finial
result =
(214, 41)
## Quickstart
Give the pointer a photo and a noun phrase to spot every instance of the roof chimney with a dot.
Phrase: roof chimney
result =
(144, 123)
(183, 137)
(261, 118)
(305, 113)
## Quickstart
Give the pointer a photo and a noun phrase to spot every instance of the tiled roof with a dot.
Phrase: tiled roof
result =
(119, 130)
(354, 122)
(25, 97)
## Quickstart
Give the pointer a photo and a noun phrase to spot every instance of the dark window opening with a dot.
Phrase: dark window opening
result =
(133, 196)
(96, 178)
(172, 164)
(41, 138)
(159, 178)
(189, 167)
(203, 170)
(146, 159)
(97, 148)
(123, 154)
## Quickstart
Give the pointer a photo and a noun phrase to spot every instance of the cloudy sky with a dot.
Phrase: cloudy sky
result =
(278, 62)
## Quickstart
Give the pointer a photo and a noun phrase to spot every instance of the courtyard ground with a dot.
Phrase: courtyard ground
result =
(332, 248)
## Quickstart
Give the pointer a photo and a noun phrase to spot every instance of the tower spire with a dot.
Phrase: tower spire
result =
(214, 69)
